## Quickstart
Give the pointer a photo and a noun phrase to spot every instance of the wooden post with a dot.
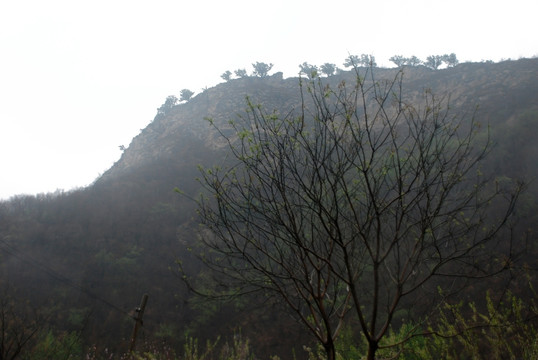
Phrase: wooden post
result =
(138, 321)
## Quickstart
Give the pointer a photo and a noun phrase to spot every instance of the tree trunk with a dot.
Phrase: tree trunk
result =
(330, 350)
(372, 348)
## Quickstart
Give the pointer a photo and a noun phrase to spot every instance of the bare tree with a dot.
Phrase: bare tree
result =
(356, 207)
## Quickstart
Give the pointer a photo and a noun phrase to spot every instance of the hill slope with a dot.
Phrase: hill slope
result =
(88, 255)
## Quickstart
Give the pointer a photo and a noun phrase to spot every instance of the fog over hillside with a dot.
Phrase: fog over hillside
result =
(82, 259)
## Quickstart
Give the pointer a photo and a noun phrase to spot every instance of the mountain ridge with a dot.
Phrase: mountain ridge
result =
(226, 100)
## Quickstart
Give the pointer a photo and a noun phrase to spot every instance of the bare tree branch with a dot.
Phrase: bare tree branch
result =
(363, 198)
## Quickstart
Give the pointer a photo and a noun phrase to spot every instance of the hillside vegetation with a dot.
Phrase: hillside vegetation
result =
(74, 265)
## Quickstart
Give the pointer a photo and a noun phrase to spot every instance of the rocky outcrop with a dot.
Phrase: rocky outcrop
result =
(497, 87)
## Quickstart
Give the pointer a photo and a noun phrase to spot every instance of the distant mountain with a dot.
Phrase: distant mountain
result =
(102, 247)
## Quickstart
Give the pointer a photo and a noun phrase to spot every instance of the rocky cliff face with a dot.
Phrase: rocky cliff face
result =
(167, 135)
(498, 88)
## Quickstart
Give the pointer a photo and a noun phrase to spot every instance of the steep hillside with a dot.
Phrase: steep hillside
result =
(86, 257)
(167, 136)
(501, 90)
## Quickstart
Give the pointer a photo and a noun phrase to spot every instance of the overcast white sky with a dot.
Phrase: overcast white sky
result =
(79, 78)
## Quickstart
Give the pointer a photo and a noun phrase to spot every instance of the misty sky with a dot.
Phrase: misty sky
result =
(80, 78)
